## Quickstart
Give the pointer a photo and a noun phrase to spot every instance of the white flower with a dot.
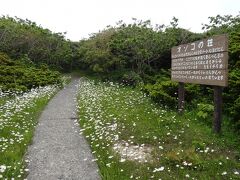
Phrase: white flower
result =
(236, 172)
(158, 169)
(122, 160)
(224, 173)
(2, 168)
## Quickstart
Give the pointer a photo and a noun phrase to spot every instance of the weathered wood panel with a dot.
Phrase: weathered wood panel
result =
(201, 62)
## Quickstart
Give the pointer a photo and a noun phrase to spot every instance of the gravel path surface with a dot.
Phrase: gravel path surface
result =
(58, 151)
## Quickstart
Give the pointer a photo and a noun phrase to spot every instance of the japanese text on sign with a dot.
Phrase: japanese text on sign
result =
(202, 62)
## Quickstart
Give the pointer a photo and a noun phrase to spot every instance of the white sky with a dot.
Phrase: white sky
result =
(79, 18)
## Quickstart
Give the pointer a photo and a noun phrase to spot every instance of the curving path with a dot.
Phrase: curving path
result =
(58, 151)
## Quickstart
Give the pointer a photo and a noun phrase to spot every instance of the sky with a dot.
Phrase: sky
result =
(79, 18)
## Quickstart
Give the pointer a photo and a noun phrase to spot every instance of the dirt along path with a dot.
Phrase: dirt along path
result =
(58, 150)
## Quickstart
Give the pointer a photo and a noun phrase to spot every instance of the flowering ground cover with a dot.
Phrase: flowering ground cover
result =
(133, 138)
(18, 117)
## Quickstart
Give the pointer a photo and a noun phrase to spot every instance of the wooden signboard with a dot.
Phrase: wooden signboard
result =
(201, 62)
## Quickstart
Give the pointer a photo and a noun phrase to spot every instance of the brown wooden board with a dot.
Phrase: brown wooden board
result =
(206, 61)
(210, 45)
(208, 77)
(201, 62)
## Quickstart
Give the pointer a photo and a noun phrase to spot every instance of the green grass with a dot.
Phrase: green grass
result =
(182, 146)
(18, 118)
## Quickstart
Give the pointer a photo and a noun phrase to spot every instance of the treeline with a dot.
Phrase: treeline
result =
(143, 49)
(30, 54)
(132, 50)
(23, 39)
(140, 54)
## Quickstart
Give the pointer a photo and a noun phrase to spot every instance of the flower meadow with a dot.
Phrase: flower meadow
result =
(18, 117)
(133, 138)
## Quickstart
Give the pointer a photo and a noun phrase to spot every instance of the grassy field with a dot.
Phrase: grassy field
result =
(133, 138)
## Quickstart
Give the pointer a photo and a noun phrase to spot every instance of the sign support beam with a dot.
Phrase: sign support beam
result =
(217, 109)
(181, 94)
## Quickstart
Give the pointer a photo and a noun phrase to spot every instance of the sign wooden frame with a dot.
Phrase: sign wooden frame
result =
(202, 62)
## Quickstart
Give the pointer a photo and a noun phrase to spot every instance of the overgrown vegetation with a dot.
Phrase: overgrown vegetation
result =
(22, 38)
(28, 56)
(133, 138)
(116, 116)
(139, 54)
(19, 76)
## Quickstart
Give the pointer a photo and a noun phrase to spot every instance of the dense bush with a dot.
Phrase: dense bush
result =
(164, 92)
(232, 96)
(205, 112)
(15, 76)
(138, 48)
(22, 38)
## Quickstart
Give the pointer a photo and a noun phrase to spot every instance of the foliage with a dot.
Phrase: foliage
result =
(131, 78)
(15, 76)
(164, 92)
(230, 25)
(136, 47)
(22, 39)
(232, 96)
(205, 112)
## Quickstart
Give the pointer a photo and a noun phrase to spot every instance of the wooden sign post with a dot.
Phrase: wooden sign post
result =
(181, 97)
(202, 62)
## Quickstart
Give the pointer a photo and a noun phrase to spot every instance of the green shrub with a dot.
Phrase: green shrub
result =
(164, 92)
(234, 112)
(231, 97)
(205, 112)
(25, 60)
(5, 60)
(15, 76)
(131, 78)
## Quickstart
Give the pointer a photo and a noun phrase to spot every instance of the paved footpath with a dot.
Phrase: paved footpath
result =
(58, 151)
